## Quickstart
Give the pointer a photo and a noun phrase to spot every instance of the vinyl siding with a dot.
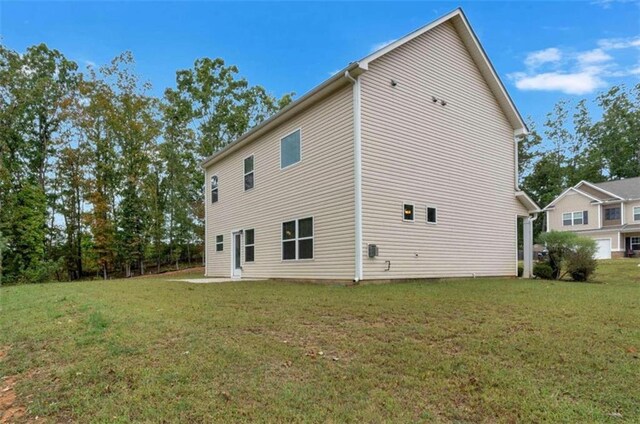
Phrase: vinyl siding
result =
(613, 235)
(628, 212)
(321, 186)
(458, 158)
(573, 202)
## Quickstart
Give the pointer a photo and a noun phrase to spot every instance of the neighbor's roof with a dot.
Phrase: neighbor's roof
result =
(339, 79)
(629, 188)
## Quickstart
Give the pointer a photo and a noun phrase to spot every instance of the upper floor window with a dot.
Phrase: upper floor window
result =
(290, 151)
(297, 239)
(612, 214)
(575, 218)
(407, 212)
(248, 173)
(214, 188)
(636, 213)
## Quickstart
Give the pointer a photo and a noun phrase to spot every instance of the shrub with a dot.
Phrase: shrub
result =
(543, 270)
(520, 270)
(558, 244)
(580, 262)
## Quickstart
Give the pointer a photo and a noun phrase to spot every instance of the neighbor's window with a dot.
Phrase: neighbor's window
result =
(248, 173)
(407, 212)
(612, 214)
(290, 149)
(577, 218)
(432, 215)
(636, 213)
(214, 188)
(297, 239)
(249, 245)
(635, 243)
(219, 243)
(566, 218)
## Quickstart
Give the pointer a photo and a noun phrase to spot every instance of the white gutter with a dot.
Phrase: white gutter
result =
(357, 173)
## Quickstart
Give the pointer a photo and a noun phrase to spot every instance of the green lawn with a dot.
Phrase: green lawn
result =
(492, 350)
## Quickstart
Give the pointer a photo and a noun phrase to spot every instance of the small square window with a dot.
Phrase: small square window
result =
(290, 149)
(431, 215)
(407, 212)
(577, 218)
(566, 218)
(219, 243)
(297, 239)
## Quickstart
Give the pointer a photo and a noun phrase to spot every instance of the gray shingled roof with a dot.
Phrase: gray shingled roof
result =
(629, 188)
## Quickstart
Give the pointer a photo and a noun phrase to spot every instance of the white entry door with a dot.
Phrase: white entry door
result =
(604, 249)
(236, 255)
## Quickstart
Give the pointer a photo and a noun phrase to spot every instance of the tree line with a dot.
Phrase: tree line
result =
(100, 178)
(580, 141)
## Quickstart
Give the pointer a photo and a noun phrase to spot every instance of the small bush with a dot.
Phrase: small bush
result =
(544, 271)
(580, 262)
(520, 270)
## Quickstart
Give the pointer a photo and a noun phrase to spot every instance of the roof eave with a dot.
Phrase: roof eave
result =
(309, 98)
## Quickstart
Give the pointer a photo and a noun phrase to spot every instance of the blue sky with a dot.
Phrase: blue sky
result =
(543, 51)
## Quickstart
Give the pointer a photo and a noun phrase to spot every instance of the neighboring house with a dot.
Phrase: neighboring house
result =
(607, 212)
(402, 165)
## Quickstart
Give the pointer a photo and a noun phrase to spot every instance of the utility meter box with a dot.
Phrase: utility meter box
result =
(373, 250)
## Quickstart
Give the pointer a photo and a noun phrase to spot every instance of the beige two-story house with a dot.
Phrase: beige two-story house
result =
(402, 165)
(608, 212)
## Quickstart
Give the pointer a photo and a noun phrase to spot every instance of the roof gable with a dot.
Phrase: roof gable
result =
(478, 54)
(628, 188)
(567, 191)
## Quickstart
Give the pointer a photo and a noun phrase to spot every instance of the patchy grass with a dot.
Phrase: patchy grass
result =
(493, 350)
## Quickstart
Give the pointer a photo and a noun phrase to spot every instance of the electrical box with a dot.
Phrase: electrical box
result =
(373, 250)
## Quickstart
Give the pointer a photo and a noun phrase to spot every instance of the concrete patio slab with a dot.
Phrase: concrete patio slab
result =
(207, 280)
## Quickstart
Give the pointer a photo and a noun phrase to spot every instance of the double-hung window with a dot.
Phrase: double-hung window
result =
(635, 243)
(249, 245)
(249, 175)
(219, 243)
(578, 218)
(297, 239)
(636, 213)
(612, 214)
(290, 149)
(214, 188)
(575, 218)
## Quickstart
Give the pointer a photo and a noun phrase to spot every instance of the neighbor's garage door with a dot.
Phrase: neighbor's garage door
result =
(604, 249)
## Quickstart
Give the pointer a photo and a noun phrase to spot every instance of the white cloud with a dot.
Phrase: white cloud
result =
(569, 83)
(573, 72)
(619, 43)
(593, 56)
(381, 45)
(541, 57)
(332, 73)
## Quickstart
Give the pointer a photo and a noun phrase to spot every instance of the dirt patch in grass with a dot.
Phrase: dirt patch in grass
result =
(10, 410)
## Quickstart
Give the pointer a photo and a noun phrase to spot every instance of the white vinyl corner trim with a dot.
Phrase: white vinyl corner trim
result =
(357, 174)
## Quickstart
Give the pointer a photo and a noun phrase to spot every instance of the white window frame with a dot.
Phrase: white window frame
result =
(413, 207)
(570, 219)
(581, 218)
(220, 243)
(217, 189)
(427, 215)
(280, 156)
(631, 243)
(245, 173)
(636, 213)
(296, 239)
(249, 244)
(573, 220)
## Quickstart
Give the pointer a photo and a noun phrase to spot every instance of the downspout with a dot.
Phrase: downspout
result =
(204, 200)
(357, 174)
(527, 271)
